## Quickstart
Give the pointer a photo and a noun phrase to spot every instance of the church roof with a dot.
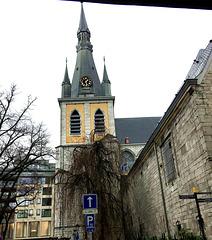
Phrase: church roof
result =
(138, 130)
(200, 62)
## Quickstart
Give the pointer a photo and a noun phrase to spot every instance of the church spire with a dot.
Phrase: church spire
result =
(105, 76)
(85, 80)
(83, 27)
(66, 85)
(106, 87)
(83, 33)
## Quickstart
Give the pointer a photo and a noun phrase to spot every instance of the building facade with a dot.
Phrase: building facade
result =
(173, 152)
(34, 204)
(176, 158)
(86, 116)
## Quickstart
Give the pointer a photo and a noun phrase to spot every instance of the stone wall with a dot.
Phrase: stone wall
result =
(152, 197)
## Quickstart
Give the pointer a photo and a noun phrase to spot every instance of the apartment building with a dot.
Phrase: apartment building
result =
(34, 213)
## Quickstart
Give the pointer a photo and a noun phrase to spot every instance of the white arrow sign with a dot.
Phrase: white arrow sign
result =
(90, 199)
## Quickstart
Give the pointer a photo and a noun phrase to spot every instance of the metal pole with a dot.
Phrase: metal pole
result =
(201, 222)
(161, 190)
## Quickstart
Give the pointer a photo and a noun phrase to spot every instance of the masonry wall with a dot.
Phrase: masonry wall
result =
(153, 200)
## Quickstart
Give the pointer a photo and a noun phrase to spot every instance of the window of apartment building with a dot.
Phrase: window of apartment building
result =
(42, 180)
(25, 181)
(23, 191)
(46, 201)
(99, 121)
(168, 160)
(21, 229)
(10, 230)
(38, 201)
(33, 229)
(23, 202)
(47, 191)
(22, 214)
(30, 212)
(38, 212)
(45, 228)
(46, 213)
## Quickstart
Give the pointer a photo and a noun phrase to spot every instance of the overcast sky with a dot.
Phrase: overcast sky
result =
(148, 51)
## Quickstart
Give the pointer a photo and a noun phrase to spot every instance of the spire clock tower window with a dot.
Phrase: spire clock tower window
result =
(75, 124)
(99, 120)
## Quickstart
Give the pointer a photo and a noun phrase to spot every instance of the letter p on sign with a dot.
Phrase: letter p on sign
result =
(89, 220)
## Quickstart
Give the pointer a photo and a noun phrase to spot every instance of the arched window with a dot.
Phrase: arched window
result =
(127, 161)
(75, 123)
(99, 121)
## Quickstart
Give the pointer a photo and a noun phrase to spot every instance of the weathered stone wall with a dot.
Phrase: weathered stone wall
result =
(153, 200)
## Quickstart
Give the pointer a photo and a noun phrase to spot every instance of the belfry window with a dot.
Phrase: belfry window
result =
(75, 123)
(99, 121)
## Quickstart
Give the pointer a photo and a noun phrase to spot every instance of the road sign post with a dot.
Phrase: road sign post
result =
(198, 200)
(90, 206)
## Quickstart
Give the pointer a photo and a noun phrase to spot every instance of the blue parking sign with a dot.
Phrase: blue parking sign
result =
(90, 220)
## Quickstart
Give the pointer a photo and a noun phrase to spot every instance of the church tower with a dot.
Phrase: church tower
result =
(86, 104)
(86, 115)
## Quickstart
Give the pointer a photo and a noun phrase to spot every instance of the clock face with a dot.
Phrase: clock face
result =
(86, 81)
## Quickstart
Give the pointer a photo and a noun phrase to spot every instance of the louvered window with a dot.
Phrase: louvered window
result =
(75, 123)
(99, 120)
(168, 161)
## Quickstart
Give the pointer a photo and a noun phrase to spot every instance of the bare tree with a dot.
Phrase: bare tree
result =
(95, 168)
(22, 145)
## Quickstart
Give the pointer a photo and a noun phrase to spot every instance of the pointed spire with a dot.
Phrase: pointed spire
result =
(66, 85)
(66, 77)
(106, 87)
(83, 33)
(105, 76)
(83, 27)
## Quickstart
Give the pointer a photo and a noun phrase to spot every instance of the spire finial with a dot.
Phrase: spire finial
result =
(105, 76)
(83, 27)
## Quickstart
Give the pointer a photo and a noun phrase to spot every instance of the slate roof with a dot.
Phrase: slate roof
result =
(200, 62)
(138, 130)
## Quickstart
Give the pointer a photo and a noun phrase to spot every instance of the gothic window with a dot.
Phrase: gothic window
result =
(99, 121)
(168, 161)
(75, 123)
(127, 160)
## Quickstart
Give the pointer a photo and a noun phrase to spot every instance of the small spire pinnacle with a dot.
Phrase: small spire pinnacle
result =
(66, 77)
(105, 76)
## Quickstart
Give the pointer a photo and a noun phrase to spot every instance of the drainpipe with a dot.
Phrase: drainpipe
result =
(161, 189)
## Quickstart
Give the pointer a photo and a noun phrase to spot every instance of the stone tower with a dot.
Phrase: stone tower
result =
(86, 115)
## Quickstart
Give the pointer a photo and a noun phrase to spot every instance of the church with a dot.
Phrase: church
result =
(160, 158)
(87, 115)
